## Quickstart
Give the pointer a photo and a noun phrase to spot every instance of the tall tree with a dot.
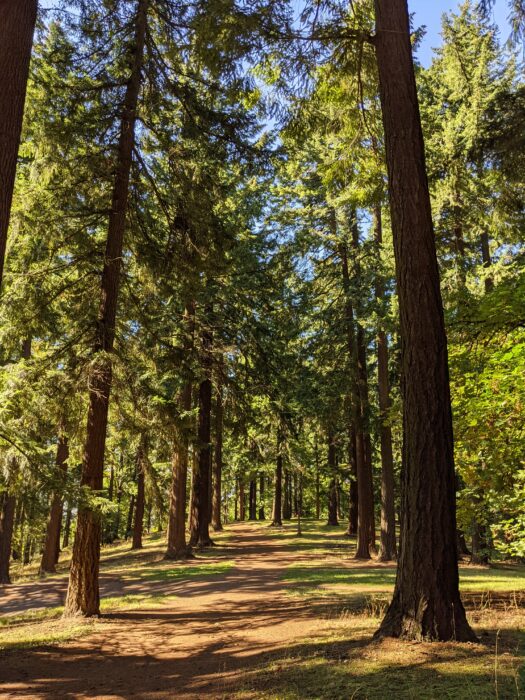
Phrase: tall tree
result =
(17, 20)
(83, 591)
(426, 602)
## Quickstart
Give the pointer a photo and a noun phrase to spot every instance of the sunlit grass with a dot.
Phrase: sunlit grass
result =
(342, 663)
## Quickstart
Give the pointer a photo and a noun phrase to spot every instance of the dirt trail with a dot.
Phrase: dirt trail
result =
(196, 646)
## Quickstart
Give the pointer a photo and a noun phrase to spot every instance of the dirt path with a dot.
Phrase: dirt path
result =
(197, 646)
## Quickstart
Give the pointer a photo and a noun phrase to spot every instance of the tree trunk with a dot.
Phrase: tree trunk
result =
(487, 260)
(317, 487)
(253, 500)
(177, 547)
(332, 489)
(353, 506)
(426, 602)
(51, 545)
(388, 549)
(365, 519)
(261, 497)
(200, 535)
(287, 505)
(7, 518)
(277, 516)
(217, 463)
(131, 510)
(138, 521)
(242, 501)
(17, 22)
(83, 596)
(67, 527)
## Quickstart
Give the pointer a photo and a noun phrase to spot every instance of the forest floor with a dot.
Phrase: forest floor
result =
(265, 614)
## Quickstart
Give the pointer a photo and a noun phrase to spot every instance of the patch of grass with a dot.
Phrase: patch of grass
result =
(49, 631)
(343, 663)
(167, 571)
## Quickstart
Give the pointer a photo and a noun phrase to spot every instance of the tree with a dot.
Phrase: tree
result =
(17, 19)
(426, 602)
(83, 591)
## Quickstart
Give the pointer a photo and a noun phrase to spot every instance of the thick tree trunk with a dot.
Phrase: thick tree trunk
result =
(83, 592)
(200, 535)
(426, 602)
(52, 542)
(388, 549)
(177, 547)
(138, 520)
(261, 497)
(332, 489)
(277, 516)
(7, 519)
(217, 463)
(17, 23)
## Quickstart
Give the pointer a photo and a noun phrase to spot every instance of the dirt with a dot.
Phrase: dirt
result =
(198, 645)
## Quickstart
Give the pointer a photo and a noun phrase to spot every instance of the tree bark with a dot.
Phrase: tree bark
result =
(52, 541)
(83, 596)
(277, 516)
(353, 506)
(138, 521)
(287, 504)
(200, 535)
(17, 22)
(252, 511)
(177, 547)
(388, 550)
(426, 602)
(332, 489)
(7, 518)
(217, 462)
(67, 527)
(261, 497)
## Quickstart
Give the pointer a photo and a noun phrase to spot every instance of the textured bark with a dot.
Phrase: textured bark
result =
(388, 550)
(200, 534)
(177, 547)
(52, 541)
(217, 463)
(7, 518)
(426, 602)
(17, 25)
(261, 497)
(277, 515)
(138, 520)
(332, 489)
(83, 592)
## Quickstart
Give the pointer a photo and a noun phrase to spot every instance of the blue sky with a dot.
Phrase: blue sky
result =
(428, 12)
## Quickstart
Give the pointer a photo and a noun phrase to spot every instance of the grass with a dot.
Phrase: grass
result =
(45, 626)
(167, 571)
(342, 663)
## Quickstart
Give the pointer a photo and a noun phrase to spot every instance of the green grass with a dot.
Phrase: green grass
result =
(318, 578)
(167, 571)
(342, 663)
